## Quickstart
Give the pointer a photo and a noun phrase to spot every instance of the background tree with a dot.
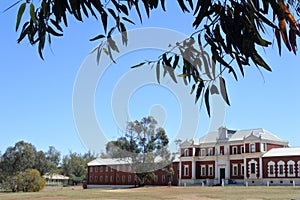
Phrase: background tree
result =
(145, 145)
(74, 166)
(234, 32)
(54, 156)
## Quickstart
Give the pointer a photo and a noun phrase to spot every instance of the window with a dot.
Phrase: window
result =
(155, 178)
(263, 147)
(242, 169)
(111, 179)
(242, 149)
(210, 152)
(163, 178)
(186, 170)
(186, 153)
(106, 168)
(203, 170)
(271, 168)
(91, 178)
(298, 168)
(123, 179)
(101, 179)
(101, 168)
(281, 168)
(129, 178)
(210, 170)
(96, 178)
(91, 169)
(234, 169)
(117, 179)
(234, 150)
(203, 152)
(118, 168)
(106, 179)
(252, 148)
(291, 168)
(96, 169)
(252, 168)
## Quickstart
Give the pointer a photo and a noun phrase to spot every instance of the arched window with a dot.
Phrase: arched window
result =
(252, 168)
(271, 169)
(291, 168)
(186, 153)
(280, 169)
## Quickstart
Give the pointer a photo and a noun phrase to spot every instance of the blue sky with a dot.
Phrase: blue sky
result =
(36, 95)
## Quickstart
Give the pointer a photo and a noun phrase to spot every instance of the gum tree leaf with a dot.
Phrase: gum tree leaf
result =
(223, 90)
(20, 14)
(206, 98)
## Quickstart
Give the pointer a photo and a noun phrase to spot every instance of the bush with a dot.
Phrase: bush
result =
(28, 181)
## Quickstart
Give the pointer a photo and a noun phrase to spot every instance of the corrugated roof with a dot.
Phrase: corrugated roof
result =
(278, 152)
(239, 135)
(55, 176)
(109, 161)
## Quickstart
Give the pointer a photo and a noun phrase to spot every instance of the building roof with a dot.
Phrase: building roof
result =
(278, 152)
(109, 161)
(239, 135)
(55, 176)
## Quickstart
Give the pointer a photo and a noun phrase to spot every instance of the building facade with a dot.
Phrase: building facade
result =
(252, 157)
(246, 157)
(108, 172)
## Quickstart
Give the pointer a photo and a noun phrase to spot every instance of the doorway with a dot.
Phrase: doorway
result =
(222, 175)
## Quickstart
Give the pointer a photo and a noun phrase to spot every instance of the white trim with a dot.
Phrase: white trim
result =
(252, 175)
(279, 164)
(203, 170)
(271, 163)
(292, 164)
(235, 167)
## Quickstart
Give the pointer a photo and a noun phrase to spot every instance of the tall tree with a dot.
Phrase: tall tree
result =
(234, 31)
(145, 145)
(53, 155)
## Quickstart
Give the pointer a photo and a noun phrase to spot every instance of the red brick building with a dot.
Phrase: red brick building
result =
(253, 157)
(118, 172)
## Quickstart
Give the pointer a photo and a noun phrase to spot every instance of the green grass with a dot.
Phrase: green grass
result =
(188, 193)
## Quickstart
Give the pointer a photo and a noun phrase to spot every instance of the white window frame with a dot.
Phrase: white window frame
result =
(155, 178)
(210, 170)
(210, 152)
(117, 179)
(186, 170)
(123, 178)
(96, 178)
(234, 150)
(101, 179)
(235, 170)
(106, 168)
(111, 179)
(242, 169)
(101, 168)
(252, 148)
(203, 152)
(271, 163)
(106, 179)
(203, 170)
(186, 153)
(252, 175)
(91, 169)
(263, 147)
(242, 149)
(96, 169)
(129, 178)
(280, 163)
(298, 168)
(163, 178)
(291, 163)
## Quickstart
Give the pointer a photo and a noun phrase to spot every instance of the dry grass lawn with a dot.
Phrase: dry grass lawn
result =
(188, 193)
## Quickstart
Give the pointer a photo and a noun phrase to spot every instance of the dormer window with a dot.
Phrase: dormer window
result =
(186, 153)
